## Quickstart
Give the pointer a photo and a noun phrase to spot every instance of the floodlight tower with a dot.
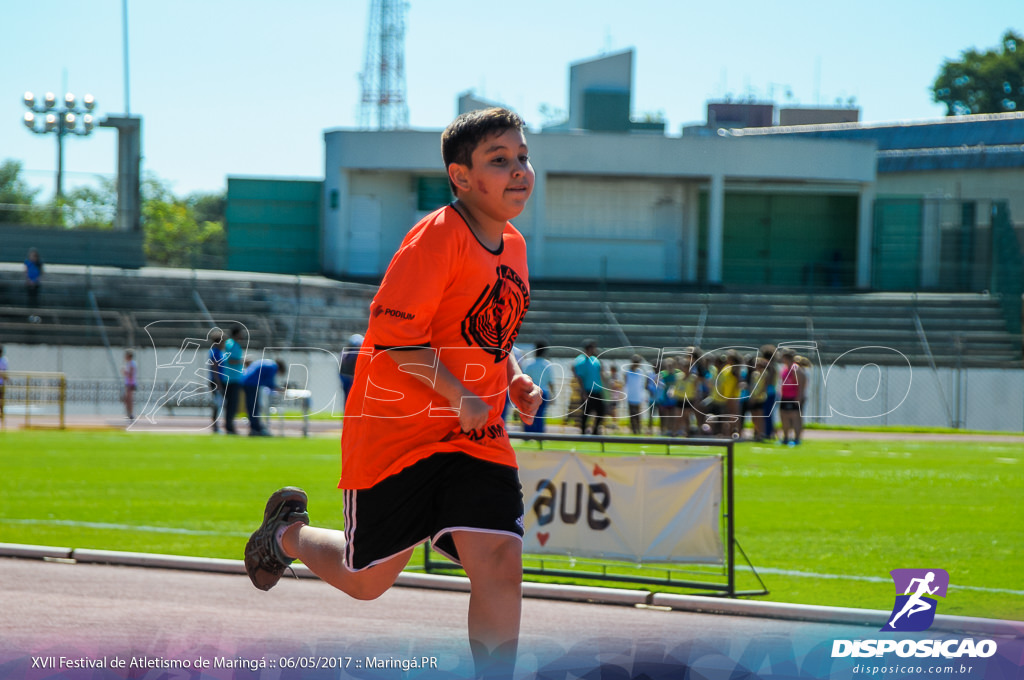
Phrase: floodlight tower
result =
(382, 81)
(73, 118)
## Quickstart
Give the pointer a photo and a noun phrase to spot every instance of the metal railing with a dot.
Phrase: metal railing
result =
(33, 393)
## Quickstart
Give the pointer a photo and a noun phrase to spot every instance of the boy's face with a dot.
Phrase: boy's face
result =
(500, 180)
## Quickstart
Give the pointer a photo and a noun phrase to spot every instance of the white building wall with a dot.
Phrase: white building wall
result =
(614, 227)
(636, 202)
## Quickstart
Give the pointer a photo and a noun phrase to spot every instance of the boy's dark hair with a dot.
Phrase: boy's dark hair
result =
(466, 132)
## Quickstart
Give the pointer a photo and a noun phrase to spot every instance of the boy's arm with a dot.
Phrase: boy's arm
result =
(423, 364)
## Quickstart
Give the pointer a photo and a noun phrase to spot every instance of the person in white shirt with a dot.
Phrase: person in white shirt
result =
(636, 374)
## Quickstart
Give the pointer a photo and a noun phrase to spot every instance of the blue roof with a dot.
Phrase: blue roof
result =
(955, 143)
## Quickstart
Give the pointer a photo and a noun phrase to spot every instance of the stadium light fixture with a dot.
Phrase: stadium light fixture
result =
(73, 118)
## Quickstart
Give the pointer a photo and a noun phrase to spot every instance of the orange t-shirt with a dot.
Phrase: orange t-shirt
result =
(446, 291)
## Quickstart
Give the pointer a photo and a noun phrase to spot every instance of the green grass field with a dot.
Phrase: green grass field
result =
(824, 522)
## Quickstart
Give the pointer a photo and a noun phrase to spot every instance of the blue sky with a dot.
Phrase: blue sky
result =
(247, 87)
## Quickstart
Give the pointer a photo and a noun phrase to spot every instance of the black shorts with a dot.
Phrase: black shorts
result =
(789, 405)
(429, 500)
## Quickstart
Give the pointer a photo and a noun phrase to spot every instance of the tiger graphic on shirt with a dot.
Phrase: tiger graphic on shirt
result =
(494, 320)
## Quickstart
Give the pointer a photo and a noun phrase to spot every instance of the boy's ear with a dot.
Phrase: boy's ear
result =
(459, 176)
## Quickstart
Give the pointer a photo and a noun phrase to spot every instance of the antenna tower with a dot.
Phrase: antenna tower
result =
(383, 104)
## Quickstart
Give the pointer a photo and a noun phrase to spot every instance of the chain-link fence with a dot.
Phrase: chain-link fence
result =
(175, 382)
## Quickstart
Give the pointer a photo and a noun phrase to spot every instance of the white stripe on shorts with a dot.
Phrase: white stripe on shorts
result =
(350, 525)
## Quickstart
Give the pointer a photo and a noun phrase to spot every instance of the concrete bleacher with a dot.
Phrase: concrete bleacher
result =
(959, 329)
(160, 306)
(140, 307)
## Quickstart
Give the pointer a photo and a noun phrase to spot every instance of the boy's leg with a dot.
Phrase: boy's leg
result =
(323, 551)
(494, 565)
(285, 535)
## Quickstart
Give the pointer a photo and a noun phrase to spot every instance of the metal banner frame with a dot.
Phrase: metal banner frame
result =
(607, 568)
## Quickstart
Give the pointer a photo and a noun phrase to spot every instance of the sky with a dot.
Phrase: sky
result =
(248, 87)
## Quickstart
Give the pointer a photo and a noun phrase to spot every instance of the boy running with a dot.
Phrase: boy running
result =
(425, 454)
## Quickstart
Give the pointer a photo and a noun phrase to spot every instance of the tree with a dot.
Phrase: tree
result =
(983, 82)
(208, 207)
(88, 207)
(174, 236)
(17, 198)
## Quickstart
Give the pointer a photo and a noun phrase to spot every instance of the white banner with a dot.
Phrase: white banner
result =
(637, 508)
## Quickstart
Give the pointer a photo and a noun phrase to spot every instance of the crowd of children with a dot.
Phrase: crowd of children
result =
(693, 393)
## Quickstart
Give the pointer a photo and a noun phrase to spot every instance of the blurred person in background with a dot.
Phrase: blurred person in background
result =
(233, 357)
(130, 373)
(347, 363)
(3, 374)
(587, 369)
(790, 398)
(215, 360)
(33, 276)
(636, 393)
(259, 374)
(538, 367)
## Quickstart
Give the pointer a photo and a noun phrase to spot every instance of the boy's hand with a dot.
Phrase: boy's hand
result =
(525, 396)
(473, 413)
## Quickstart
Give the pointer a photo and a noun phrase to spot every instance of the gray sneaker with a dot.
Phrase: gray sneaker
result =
(265, 562)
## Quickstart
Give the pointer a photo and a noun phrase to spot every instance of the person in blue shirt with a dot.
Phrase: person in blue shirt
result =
(233, 356)
(587, 369)
(539, 368)
(260, 373)
(33, 276)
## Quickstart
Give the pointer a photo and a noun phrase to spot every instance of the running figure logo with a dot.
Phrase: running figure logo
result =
(914, 610)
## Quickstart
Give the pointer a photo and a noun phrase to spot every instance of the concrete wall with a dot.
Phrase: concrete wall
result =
(73, 246)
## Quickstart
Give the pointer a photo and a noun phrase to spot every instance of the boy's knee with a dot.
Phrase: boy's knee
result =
(362, 590)
(503, 565)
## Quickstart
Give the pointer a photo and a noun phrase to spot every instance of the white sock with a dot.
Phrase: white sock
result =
(280, 534)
